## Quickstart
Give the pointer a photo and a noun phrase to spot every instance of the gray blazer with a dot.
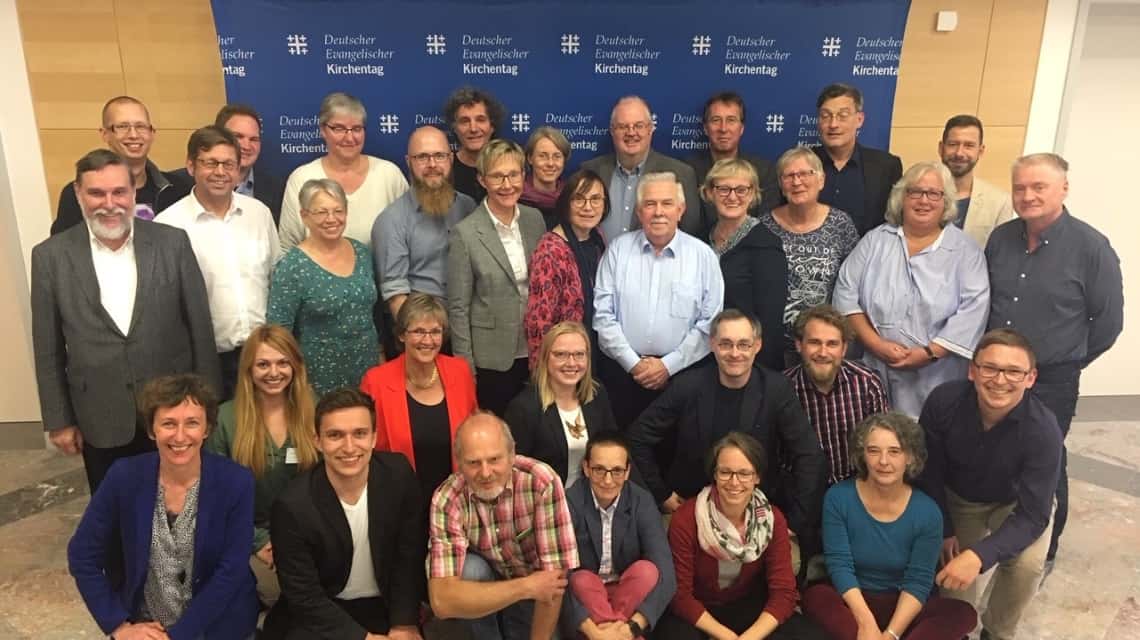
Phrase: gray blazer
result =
(87, 371)
(484, 307)
(694, 221)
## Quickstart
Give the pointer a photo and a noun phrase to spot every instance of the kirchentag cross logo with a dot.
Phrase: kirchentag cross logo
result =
(436, 44)
(298, 44)
(702, 45)
(520, 122)
(831, 46)
(389, 123)
(571, 44)
(774, 123)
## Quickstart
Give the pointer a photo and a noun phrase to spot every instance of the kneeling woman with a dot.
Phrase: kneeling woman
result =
(881, 539)
(733, 557)
(172, 528)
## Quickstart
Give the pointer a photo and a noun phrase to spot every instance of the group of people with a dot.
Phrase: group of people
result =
(535, 373)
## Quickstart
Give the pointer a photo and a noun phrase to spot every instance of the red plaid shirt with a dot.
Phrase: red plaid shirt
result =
(526, 529)
(856, 394)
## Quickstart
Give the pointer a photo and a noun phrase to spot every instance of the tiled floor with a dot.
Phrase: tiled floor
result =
(1094, 593)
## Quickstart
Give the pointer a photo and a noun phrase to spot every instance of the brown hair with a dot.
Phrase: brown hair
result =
(209, 137)
(827, 314)
(1009, 338)
(344, 398)
(746, 444)
(165, 392)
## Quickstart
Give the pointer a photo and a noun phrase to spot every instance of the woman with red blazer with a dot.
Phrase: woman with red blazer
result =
(421, 396)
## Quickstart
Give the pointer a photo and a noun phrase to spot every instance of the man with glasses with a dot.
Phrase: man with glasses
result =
(631, 127)
(127, 131)
(724, 126)
(704, 404)
(234, 239)
(1056, 280)
(625, 573)
(858, 178)
(409, 238)
(994, 455)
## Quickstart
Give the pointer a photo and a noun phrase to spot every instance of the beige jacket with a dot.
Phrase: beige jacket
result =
(989, 207)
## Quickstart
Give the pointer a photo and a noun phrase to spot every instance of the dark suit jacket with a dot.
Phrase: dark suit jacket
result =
(756, 282)
(769, 183)
(170, 187)
(87, 371)
(637, 534)
(312, 547)
(267, 188)
(693, 222)
(881, 170)
(770, 412)
(483, 303)
(540, 435)
(224, 603)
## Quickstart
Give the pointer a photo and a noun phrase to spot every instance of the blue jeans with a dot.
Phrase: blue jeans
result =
(512, 623)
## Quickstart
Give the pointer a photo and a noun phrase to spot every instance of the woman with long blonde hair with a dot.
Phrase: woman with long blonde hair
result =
(268, 428)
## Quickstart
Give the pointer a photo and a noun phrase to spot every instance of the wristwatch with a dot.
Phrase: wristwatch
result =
(636, 629)
(930, 352)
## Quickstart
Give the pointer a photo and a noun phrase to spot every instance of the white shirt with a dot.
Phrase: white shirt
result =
(575, 447)
(118, 277)
(511, 237)
(362, 577)
(236, 254)
(606, 563)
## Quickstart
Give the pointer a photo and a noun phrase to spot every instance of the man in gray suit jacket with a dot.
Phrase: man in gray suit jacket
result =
(115, 302)
(631, 127)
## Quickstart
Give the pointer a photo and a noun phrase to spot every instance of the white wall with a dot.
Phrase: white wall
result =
(1098, 135)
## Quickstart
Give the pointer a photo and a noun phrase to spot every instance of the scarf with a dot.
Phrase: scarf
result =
(735, 238)
(540, 199)
(720, 538)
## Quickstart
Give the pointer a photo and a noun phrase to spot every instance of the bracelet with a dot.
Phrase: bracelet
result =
(892, 633)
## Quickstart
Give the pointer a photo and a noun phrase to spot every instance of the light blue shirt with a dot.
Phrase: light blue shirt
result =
(623, 199)
(245, 187)
(657, 304)
(940, 295)
(410, 247)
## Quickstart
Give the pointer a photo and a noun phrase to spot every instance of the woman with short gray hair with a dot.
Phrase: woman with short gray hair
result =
(881, 540)
(916, 290)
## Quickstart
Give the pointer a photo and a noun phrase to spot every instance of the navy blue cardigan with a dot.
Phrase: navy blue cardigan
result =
(121, 514)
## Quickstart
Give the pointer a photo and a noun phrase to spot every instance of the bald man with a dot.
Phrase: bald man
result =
(409, 238)
(501, 541)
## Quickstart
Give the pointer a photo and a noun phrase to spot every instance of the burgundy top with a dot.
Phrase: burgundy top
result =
(697, 571)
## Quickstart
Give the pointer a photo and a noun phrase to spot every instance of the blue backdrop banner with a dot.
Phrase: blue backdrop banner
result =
(557, 63)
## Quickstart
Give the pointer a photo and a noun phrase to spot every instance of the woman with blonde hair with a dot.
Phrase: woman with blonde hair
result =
(267, 428)
(554, 415)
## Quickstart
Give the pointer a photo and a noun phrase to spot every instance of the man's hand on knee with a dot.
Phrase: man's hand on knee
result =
(546, 586)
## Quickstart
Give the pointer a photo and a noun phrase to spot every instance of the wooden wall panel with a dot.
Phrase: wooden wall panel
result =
(1011, 65)
(1003, 146)
(915, 144)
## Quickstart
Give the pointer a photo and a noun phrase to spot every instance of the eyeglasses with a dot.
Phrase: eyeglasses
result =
(724, 475)
(563, 356)
(988, 371)
(325, 214)
(340, 130)
(122, 128)
(438, 157)
(933, 195)
(740, 191)
(599, 473)
(497, 179)
(550, 157)
(717, 121)
(420, 334)
(625, 127)
(842, 116)
(596, 202)
(802, 176)
(729, 345)
(210, 164)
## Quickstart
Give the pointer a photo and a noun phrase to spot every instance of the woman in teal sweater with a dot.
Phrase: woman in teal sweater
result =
(881, 540)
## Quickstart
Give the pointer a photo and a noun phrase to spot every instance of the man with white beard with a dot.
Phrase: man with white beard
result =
(115, 302)
(409, 239)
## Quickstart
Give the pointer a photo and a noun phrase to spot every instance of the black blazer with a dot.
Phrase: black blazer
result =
(756, 282)
(267, 188)
(312, 548)
(540, 435)
(770, 412)
(881, 170)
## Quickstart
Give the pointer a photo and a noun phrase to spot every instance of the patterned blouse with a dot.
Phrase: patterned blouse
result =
(170, 575)
(330, 315)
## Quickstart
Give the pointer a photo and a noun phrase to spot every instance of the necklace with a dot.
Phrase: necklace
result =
(424, 385)
(577, 428)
